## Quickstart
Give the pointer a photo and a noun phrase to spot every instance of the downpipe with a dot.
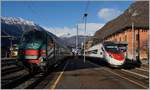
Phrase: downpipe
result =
(137, 62)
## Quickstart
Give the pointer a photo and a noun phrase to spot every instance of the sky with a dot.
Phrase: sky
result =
(61, 17)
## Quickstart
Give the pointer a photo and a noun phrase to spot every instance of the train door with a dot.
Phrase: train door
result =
(56, 52)
(101, 51)
(50, 50)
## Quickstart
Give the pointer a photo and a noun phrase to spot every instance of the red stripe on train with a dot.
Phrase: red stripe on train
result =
(43, 54)
(33, 61)
(32, 52)
(35, 52)
(117, 56)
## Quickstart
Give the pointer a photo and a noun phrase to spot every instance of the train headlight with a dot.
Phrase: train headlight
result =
(41, 59)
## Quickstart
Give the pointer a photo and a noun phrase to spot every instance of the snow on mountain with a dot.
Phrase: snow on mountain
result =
(15, 27)
(66, 35)
(11, 26)
(18, 20)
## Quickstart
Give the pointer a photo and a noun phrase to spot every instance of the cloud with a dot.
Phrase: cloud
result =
(91, 28)
(108, 13)
(61, 31)
(67, 31)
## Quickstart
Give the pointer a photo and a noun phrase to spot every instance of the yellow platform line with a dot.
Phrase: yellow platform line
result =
(58, 78)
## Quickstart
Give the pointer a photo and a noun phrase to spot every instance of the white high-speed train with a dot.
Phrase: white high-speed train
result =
(107, 51)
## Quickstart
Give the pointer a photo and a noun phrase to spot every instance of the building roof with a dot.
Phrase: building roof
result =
(138, 12)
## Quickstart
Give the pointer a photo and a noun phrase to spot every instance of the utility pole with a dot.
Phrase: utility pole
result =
(85, 19)
(133, 34)
(77, 40)
(133, 37)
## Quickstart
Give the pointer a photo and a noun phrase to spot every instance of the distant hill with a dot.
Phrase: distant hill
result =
(71, 41)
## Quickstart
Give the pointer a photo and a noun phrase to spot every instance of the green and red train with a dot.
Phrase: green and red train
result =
(40, 49)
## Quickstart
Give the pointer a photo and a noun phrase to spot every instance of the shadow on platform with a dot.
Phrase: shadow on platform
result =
(75, 64)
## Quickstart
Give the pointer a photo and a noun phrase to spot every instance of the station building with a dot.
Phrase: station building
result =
(132, 27)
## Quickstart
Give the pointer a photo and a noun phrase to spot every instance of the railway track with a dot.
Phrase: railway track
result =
(8, 62)
(11, 70)
(12, 83)
(25, 81)
(16, 77)
(31, 82)
(145, 66)
(11, 74)
(137, 76)
(9, 66)
(130, 78)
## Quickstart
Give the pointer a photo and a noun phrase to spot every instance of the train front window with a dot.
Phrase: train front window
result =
(123, 49)
(113, 49)
(32, 36)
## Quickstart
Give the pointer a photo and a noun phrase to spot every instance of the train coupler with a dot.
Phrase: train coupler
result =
(43, 66)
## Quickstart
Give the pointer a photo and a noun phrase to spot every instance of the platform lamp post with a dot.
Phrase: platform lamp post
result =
(133, 35)
(77, 42)
(85, 19)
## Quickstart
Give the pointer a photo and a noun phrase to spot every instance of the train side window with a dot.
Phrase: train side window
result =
(102, 49)
(101, 53)
(94, 51)
(50, 43)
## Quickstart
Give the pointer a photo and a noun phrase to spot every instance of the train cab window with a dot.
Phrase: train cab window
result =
(33, 36)
(27, 37)
(123, 48)
(38, 35)
(112, 48)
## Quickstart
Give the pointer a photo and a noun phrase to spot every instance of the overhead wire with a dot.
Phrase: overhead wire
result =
(85, 11)
(87, 7)
(44, 18)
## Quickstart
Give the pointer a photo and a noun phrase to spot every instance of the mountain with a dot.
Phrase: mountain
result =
(14, 27)
(11, 26)
(71, 41)
(17, 20)
(66, 35)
